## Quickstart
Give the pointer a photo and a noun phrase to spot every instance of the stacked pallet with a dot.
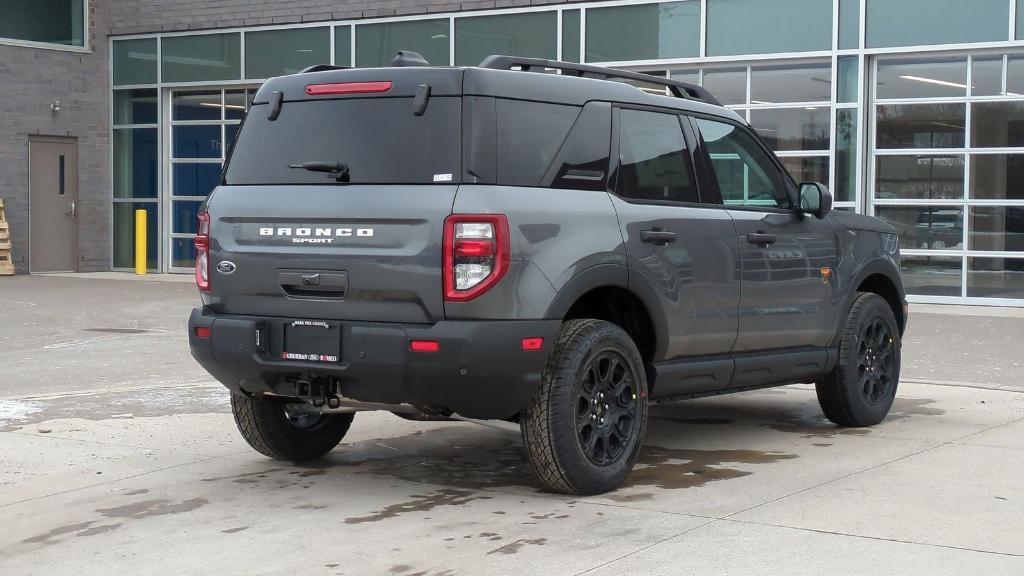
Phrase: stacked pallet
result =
(6, 263)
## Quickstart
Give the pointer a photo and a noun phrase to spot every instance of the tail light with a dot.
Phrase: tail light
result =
(202, 242)
(476, 254)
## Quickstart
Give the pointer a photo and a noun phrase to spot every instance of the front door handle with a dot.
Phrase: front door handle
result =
(761, 239)
(659, 237)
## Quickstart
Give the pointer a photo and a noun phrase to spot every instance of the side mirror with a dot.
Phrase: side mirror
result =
(815, 199)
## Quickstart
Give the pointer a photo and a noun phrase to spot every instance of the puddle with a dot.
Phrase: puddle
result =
(420, 503)
(515, 546)
(156, 507)
(907, 407)
(673, 469)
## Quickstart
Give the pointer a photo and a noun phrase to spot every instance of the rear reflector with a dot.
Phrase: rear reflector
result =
(203, 332)
(424, 345)
(533, 344)
(348, 88)
(474, 248)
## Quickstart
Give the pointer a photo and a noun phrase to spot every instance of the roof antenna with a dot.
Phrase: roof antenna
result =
(409, 58)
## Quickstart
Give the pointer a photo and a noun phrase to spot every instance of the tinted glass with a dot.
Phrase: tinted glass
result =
(1015, 73)
(847, 76)
(807, 168)
(52, 22)
(571, 35)
(271, 53)
(195, 179)
(997, 124)
(183, 215)
(922, 78)
(136, 163)
(920, 125)
(199, 58)
(653, 161)
(759, 27)
(377, 44)
(787, 129)
(921, 22)
(925, 227)
(665, 30)
(919, 177)
(778, 84)
(729, 85)
(531, 35)
(845, 189)
(997, 177)
(183, 252)
(235, 104)
(743, 170)
(987, 76)
(995, 277)
(932, 275)
(196, 141)
(582, 162)
(124, 233)
(196, 105)
(529, 136)
(849, 24)
(135, 107)
(343, 45)
(134, 61)
(999, 228)
(383, 142)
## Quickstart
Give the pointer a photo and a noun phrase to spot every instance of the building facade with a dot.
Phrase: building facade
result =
(910, 110)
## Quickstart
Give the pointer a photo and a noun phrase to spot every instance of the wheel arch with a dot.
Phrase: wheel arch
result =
(882, 277)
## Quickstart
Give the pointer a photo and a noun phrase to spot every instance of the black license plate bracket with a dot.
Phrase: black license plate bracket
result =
(312, 341)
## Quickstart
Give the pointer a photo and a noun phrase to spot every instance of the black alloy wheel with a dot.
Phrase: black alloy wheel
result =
(875, 361)
(606, 407)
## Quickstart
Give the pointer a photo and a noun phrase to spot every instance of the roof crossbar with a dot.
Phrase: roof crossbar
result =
(678, 89)
(321, 68)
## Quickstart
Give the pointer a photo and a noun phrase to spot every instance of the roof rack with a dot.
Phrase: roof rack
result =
(678, 89)
(321, 68)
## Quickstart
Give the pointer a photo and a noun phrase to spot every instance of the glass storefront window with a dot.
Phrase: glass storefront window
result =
(571, 35)
(729, 85)
(924, 22)
(849, 24)
(922, 78)
(996, 228)
(271, 53)
(235, 104)
(206, 57)
(793, 83)
(54, 22)
(690, 76)
(183, 252)
(665, 30)
(997, 124)
(184, 217)
(196, 141)
(932, 275)
(847, 76)
(995, 277)
(134, 61)
(1015, 74)
(926, 227)
(136, 163)
(915, 177)
(759, 27)
(343, 45)
(807, 168)
(196, 105)
(997, 177)
(920, 125)
(786, 129)
(135, 106)
(124, 233)
(531, 35)
(987, 76)
(377, 44)
(845, 189)
(195, 179)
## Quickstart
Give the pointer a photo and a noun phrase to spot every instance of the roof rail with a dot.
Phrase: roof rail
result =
(321, 68)
(678, 89)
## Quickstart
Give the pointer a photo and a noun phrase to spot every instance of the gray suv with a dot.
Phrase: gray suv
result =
(556, 250)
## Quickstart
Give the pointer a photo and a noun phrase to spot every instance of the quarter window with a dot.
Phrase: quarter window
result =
(745, 174)
(653, 161)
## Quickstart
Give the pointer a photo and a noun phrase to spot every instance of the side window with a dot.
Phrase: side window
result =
(745, 174)
(653, 160)
(529, 136)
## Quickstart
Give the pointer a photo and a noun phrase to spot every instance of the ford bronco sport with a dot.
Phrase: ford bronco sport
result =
(554, 250)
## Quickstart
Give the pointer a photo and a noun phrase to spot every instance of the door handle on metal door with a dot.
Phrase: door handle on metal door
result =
(659, 237)
(760, 238)
(71, 209)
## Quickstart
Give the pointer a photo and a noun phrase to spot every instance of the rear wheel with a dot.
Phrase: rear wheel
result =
(584, 428)
(287, 430)
(862, 387)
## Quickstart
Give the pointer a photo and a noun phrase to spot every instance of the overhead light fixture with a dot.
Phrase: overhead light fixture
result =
(216, 105)
(760, 102)
(934, 81)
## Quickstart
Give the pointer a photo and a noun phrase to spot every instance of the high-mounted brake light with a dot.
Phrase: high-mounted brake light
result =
(476, 254)
(202, 243)
(348, 88)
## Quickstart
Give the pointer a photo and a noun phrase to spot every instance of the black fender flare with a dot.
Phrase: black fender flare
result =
(879, 265)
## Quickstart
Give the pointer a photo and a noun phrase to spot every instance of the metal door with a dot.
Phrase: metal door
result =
(53, 204)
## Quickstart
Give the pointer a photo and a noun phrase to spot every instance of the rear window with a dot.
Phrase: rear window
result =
(380, 140)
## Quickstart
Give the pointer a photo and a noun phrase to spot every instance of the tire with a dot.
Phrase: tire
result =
(576, 445)
(861, 389)
(267, 426)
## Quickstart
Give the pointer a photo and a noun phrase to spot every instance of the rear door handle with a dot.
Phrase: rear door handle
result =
(660, 237)
(760, 238)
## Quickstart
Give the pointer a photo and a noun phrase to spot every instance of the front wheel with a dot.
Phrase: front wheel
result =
(862, 387)
(285, 430)
(585, 426)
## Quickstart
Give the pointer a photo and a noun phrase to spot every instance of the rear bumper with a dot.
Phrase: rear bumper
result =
(479, 371)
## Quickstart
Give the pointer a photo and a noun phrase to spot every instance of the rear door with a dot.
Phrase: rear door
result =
(680, 251)
(788, 297)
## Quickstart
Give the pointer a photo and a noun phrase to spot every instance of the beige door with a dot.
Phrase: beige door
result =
(53, 204)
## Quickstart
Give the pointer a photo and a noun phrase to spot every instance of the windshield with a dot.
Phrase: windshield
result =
(378, 140)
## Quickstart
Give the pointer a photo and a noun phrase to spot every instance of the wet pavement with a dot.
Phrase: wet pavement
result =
(151, 477)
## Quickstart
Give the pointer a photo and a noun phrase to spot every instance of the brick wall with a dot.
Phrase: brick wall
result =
(30, 80)
(143, 16)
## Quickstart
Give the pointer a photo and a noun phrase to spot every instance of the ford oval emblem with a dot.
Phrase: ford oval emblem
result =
(226, 267)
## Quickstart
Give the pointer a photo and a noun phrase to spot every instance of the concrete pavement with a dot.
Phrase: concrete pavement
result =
(102, 471)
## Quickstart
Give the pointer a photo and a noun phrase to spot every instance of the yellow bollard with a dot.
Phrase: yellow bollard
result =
(140, 242)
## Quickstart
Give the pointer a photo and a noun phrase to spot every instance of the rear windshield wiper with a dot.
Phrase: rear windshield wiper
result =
(336, 170)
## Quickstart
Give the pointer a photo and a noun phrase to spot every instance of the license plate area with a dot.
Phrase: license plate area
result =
(312, 341)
